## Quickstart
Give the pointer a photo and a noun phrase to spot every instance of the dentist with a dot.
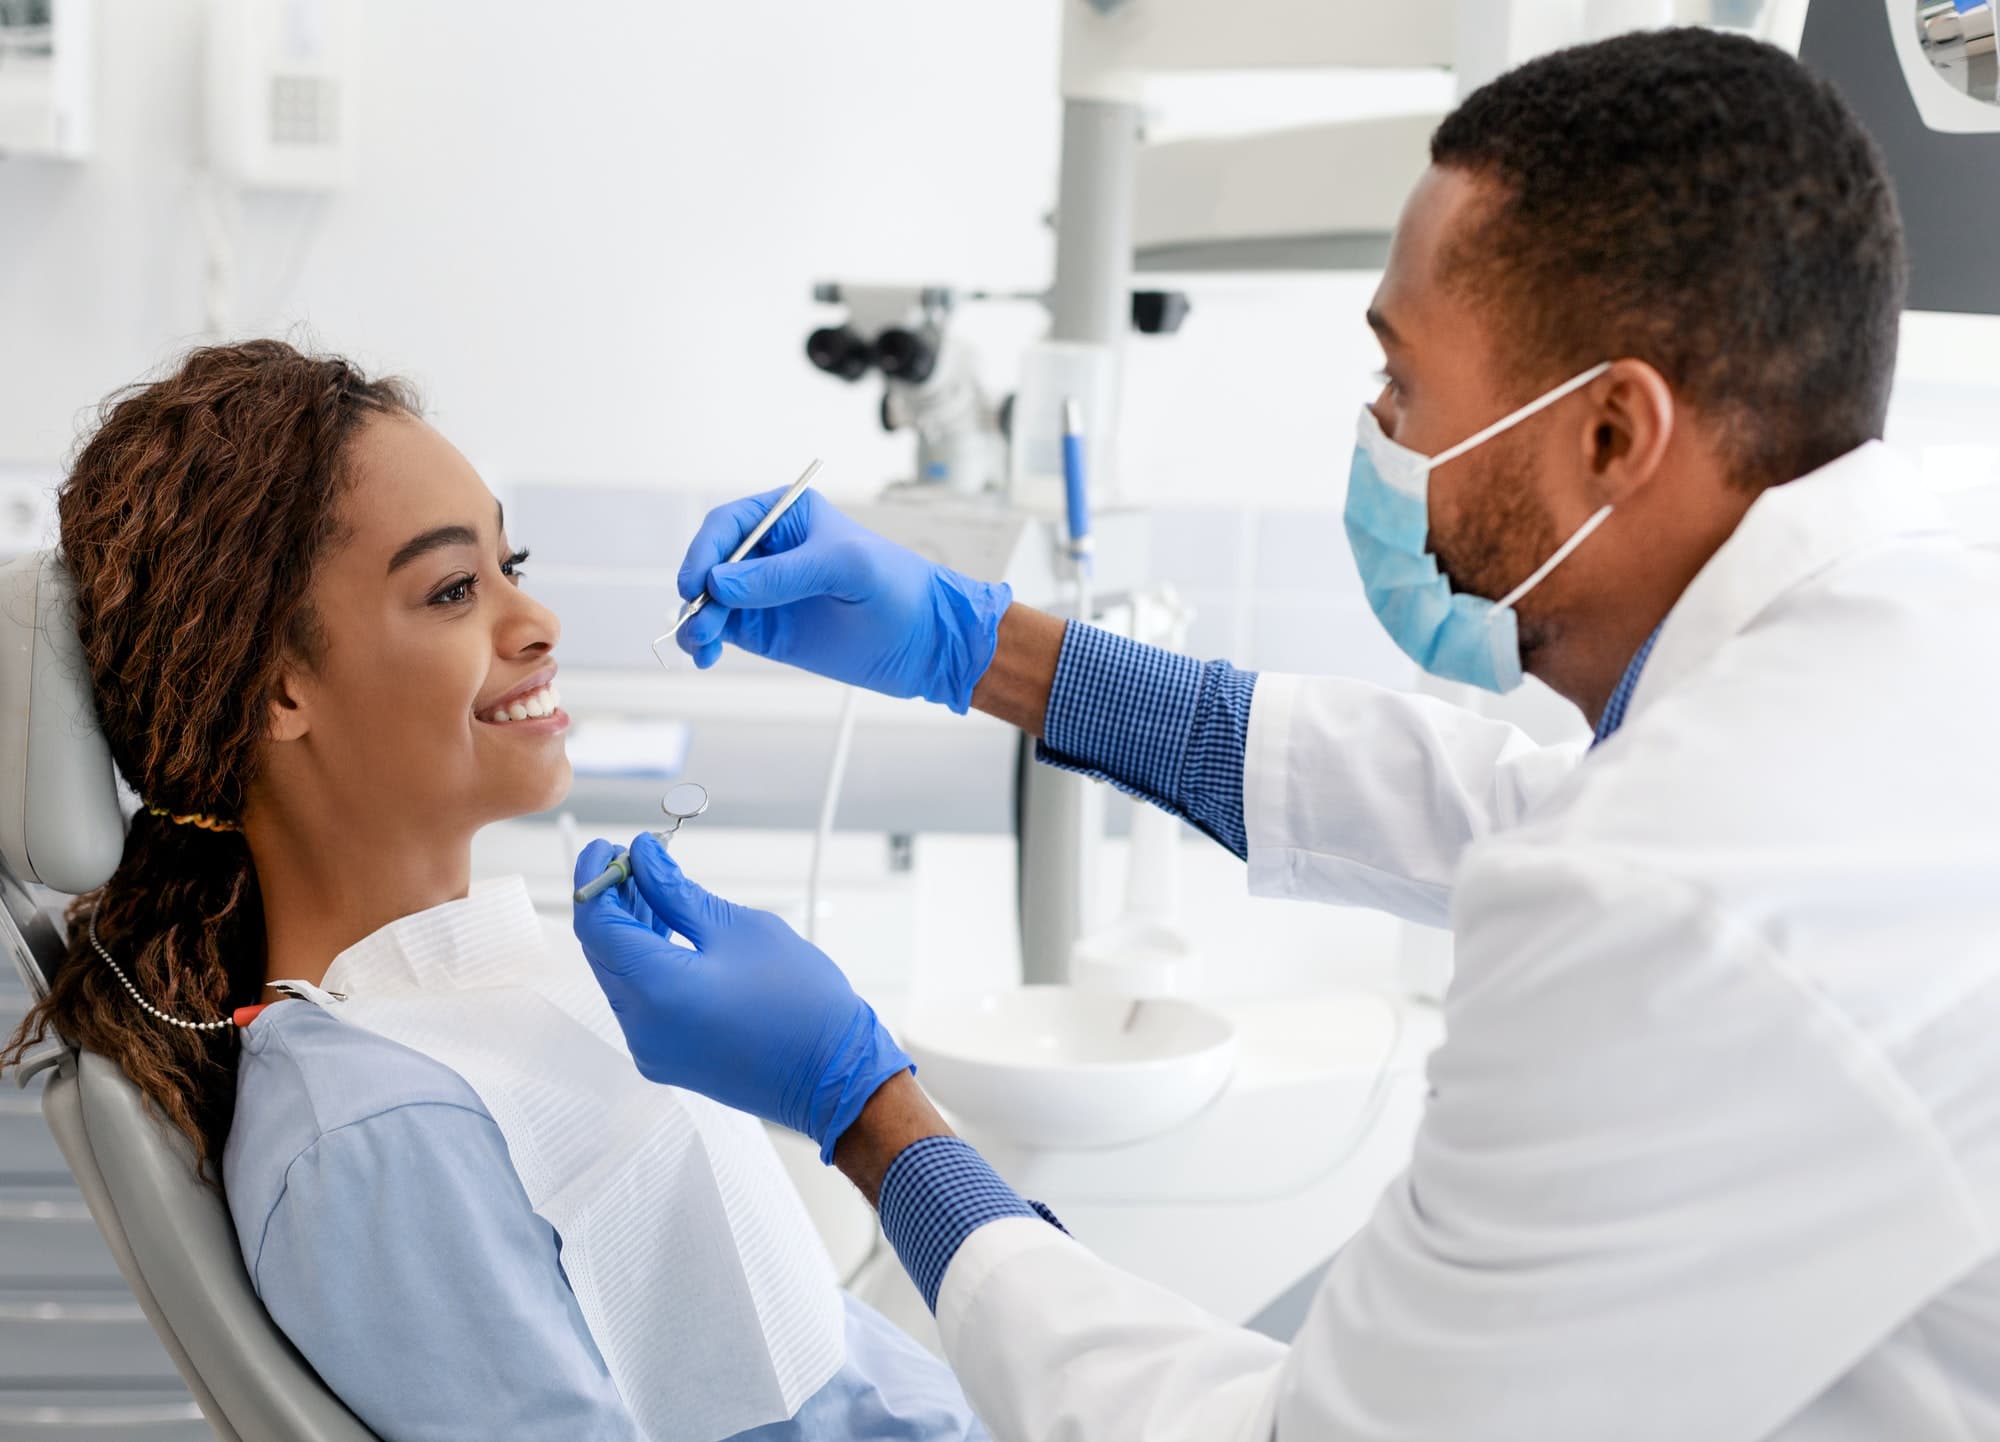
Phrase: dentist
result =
(1713, 1148)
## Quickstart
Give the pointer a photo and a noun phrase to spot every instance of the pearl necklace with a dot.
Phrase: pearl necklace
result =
(145, 1005)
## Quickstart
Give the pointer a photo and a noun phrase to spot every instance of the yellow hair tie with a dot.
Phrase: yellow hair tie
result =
(206, 823)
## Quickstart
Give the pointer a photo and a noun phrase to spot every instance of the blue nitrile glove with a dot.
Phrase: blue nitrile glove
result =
(751, 1014)
(827, 595)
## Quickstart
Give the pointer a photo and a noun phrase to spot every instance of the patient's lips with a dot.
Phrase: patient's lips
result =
(534, 700)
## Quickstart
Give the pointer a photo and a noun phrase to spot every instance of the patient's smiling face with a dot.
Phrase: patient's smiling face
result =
(428, 638)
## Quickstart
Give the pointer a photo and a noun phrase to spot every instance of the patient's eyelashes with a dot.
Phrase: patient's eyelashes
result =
(455, 592)
(459, 590)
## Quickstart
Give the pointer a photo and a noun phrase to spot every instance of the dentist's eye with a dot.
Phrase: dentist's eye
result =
(511, 567)
(456, 592)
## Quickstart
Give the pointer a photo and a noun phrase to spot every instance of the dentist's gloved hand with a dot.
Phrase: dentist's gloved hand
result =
(830, 596)
(750, 1013)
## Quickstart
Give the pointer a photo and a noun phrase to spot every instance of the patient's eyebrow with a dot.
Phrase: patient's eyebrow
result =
(434, 539)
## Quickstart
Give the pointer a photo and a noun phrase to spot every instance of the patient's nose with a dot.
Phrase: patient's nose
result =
(529, 628)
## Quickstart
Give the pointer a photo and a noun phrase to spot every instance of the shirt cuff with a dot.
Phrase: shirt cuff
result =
(1155, 724)
(935, 1195)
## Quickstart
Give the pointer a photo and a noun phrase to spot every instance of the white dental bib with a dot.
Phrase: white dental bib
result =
(694, 1263)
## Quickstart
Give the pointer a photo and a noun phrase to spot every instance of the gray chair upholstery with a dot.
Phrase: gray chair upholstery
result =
(61, 827)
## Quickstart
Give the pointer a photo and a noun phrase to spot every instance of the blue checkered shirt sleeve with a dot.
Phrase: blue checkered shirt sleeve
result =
(935, 1195)
(1157, 725)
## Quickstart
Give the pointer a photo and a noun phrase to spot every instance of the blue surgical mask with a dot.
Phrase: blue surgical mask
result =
(1450, 634)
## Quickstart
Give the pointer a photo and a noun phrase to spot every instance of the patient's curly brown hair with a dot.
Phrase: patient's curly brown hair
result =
(191, 522)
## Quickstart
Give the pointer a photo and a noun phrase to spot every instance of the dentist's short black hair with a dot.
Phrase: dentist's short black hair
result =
(1700, 201)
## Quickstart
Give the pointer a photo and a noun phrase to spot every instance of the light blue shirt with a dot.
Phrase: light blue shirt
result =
(389, 1237)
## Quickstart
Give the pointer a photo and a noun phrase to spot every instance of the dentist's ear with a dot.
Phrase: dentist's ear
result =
(1629, 431)
(287, 718)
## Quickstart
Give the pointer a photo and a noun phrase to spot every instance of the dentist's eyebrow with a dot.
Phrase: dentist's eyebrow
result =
(1379, 323)
(435, 539)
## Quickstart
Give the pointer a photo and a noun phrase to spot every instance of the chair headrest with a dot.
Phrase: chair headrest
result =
(60, 822)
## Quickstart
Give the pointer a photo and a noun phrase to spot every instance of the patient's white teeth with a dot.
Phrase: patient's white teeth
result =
(534, 706)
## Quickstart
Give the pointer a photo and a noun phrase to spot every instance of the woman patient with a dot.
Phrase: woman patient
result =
(314, 661)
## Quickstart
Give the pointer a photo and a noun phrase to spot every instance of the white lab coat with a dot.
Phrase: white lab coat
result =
(1713, 1150)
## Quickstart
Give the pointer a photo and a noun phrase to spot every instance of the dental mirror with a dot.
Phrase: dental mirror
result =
(684, 801)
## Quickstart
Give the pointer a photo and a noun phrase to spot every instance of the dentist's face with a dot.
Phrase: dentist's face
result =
(430, 699)
(1499, 510)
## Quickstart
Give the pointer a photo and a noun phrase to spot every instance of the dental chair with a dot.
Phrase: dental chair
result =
(61, 827)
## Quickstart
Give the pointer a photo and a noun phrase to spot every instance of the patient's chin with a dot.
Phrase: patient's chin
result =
(523, 792)
(521, 787)
(555, 788)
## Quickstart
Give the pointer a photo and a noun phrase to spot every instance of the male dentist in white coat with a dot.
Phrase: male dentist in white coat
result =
(1713, 1147)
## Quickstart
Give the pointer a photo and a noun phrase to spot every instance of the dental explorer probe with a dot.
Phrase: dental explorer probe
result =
(692, 608)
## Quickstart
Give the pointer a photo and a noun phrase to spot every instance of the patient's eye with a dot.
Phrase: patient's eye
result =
(455, 592)
(460, 589)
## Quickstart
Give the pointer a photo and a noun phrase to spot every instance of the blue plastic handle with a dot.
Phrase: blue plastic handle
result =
(1075, 489)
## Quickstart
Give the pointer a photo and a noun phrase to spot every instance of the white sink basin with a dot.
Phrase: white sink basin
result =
(1050, 1066)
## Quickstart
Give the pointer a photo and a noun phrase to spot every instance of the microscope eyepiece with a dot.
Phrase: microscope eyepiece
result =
(840, 351)
(906, 355)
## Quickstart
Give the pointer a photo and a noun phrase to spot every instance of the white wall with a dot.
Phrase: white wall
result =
(593, 245)
(588, 229)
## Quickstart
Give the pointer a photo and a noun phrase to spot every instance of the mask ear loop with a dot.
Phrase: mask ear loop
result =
(1514, 418)
(1541, 572)
(1540, 403)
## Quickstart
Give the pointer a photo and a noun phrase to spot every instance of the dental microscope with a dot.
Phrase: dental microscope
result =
(930, 380)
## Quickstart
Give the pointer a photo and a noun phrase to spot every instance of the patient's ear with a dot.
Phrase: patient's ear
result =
(290, 714)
